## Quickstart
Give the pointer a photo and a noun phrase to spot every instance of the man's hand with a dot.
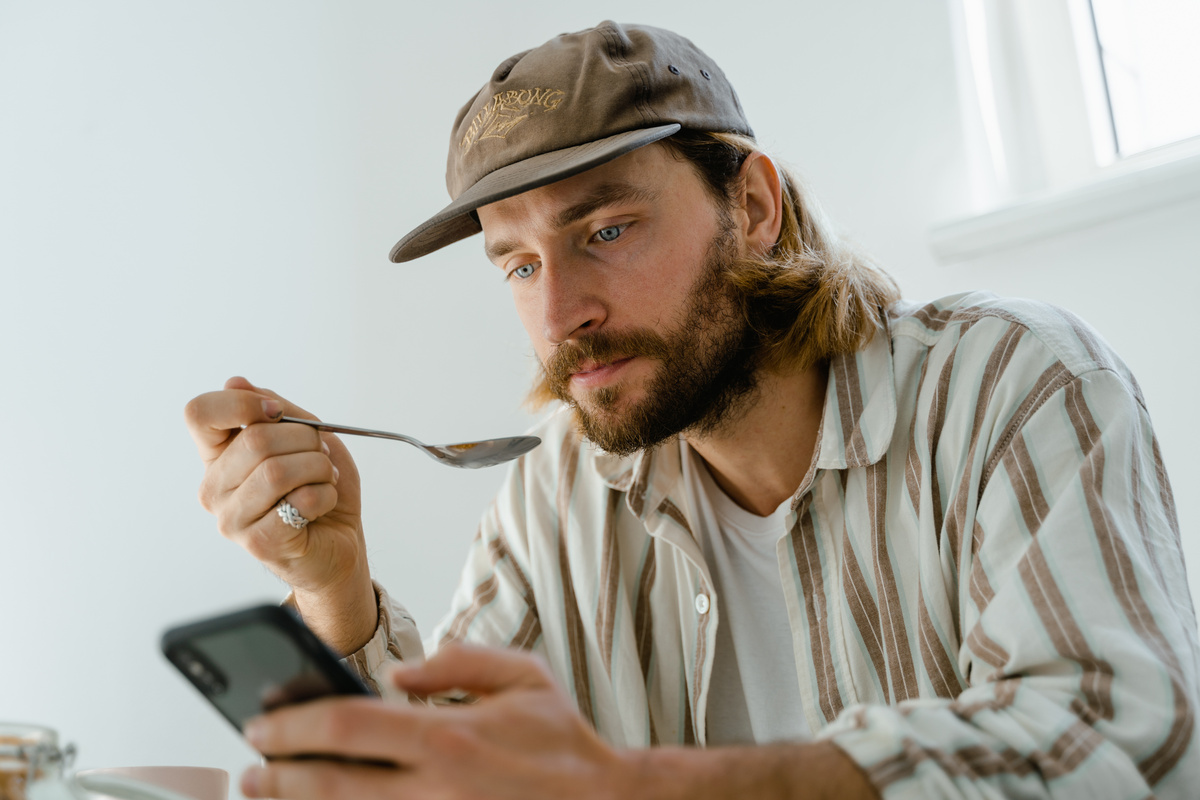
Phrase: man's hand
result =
(252, 462)
(522, 739)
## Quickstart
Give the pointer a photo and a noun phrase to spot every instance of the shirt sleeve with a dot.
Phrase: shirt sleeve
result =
(396, 639)
(1079, 637)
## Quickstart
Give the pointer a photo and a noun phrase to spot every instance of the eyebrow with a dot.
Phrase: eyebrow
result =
(606, 194)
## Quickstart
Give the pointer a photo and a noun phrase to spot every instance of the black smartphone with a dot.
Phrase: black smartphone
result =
(257, 659)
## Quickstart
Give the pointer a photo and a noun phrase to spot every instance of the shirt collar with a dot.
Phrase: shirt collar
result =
(646, 477)
(860, 406)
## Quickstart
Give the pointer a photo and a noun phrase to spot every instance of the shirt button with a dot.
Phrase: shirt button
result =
(701, 603)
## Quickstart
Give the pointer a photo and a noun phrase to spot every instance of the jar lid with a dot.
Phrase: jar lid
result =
(24, 746)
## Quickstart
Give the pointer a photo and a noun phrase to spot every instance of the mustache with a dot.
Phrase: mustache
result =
(568, 357)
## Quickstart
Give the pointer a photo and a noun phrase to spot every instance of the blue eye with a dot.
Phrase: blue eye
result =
(523, 271)
(610, 233)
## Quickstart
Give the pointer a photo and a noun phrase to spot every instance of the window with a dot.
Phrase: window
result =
(1150, 64)
(1075, 111)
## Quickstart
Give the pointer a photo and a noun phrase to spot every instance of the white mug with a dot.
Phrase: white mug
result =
(189, 783)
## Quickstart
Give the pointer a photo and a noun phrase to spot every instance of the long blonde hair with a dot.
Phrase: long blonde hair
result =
(816, 295)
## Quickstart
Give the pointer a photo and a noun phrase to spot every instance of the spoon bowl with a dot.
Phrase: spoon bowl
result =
(465, 455)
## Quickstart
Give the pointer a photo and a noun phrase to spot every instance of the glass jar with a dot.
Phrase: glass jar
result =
(29, 755)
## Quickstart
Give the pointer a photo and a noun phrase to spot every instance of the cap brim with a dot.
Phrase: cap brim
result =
(455, 221)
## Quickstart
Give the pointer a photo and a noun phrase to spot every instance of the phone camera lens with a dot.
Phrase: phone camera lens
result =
(197, 669)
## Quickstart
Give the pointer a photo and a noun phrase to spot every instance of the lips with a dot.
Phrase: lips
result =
(593, 374)
(591, 367)
(598, 360)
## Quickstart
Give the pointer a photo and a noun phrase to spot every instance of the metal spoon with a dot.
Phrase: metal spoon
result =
(468, 455)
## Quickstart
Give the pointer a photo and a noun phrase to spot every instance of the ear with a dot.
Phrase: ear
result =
(761, 203)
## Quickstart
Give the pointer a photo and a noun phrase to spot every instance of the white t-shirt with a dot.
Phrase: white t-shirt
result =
(754, 696)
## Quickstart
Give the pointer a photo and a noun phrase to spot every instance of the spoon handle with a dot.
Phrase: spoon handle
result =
(333, 428)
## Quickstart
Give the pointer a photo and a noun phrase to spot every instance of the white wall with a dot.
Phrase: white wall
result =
(194, 190)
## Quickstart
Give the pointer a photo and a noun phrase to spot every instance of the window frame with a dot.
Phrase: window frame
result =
(1038, 131)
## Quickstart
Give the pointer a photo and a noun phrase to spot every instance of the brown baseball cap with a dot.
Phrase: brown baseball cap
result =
(578, 101)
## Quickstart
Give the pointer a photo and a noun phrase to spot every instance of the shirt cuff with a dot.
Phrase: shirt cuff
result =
(396, 639)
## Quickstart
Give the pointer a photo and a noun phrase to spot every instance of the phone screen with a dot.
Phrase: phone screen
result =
(252, 665)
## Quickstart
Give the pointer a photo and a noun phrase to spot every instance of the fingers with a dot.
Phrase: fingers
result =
(258, 443)
(214, 416)
(262, 464)
(359, 728)
(478, 670)
(248, 514)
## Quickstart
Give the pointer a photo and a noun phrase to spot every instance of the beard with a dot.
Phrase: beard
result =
(707, 370)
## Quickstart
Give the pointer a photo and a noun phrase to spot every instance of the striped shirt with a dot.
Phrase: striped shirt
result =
(984, 579)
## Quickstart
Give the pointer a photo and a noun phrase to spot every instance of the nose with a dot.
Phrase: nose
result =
(570, 301)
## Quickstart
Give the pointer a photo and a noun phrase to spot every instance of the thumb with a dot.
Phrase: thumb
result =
(477, 670)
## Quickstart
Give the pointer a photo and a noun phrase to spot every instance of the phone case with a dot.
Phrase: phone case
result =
(257, 659)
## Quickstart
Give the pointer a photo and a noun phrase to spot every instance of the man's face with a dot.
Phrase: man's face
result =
(618, 277)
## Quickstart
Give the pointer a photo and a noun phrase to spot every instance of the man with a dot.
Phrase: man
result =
(868, 549)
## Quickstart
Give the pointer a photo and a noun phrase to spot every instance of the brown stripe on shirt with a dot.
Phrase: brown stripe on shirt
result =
(912, 479)
(499, 552)
(912, 463)
(1068, 751)
(643, 623)
(936, 658)
(1081, 710)
(850, 406)
(901, 671)
(998, 361)
(576, 637)
(934, 318)
(972, 762)
(1053, 378)
(863, 609)
(485, 592)
(610, 581)
(808, 565)
(1064, 631)
(528, 632)
(1003, 694)
(895, 768)
(672, 511)
(1026, 488)
(641, 482)
(977, 761)
(937, 420)
(979, 585)
(987, 648)
(972, 314)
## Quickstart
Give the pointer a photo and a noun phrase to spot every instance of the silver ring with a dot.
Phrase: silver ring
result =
(288, 513)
